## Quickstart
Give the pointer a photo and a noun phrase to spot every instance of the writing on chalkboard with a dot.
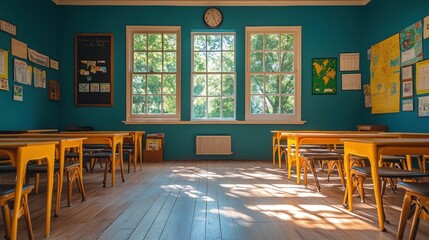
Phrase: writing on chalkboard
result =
(93, 64)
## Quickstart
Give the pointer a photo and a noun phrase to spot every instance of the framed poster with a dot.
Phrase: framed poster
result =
(407, 89)
(324, 76)
(93, 67)
(53, 90)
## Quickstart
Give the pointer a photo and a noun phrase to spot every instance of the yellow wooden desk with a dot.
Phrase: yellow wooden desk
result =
(21, 153)
(63, 145)
(332, 138)
(373, 148)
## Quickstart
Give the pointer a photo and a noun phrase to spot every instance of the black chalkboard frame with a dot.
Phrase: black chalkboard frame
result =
(94, 69)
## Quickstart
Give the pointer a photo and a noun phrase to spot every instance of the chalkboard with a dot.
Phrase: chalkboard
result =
(94, 69)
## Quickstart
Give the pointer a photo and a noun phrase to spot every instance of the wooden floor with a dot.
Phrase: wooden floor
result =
(214, 200)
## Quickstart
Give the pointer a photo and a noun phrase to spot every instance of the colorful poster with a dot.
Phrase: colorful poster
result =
(38, 58)
(412, 44)
(426, 27)
(39, 78)
(385, 76)
(20, 72)
(422, 77)
(18, 94)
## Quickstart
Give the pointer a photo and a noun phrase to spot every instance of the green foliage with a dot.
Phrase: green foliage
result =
(138, 104)
(139, 84)
(140, 42)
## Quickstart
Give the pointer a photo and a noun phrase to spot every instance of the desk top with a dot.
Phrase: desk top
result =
(389, 141)
(340, 135)
(35, 139)
(25, 143)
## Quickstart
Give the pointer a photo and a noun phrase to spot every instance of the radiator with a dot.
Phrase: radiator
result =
(213, 145)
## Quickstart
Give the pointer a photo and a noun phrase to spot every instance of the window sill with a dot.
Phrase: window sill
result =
(215, 122)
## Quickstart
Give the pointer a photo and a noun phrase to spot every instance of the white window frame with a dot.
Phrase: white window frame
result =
(130, 31)
(208, 73)
(284, 118)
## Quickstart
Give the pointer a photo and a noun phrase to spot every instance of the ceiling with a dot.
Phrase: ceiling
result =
(216, 2)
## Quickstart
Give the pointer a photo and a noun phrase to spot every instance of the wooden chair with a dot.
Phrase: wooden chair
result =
(359, 174)
(7, 194)
(417, 193)
(308, 159)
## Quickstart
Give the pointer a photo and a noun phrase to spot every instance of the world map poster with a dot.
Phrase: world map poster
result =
(324, 75)
(385, 75)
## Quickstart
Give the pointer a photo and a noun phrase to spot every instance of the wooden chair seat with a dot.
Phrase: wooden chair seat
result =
(308, 159)
(72, 172)
(7, 194)
(417, 193)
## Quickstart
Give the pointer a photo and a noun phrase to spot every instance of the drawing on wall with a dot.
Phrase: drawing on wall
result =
(412, 44)
(324, 78)
(39, 78)
(21, 72)
(424, 106)
(4, 84)
(18, 94)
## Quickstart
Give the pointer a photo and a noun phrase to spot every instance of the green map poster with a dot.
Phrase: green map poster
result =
(385, 75)
(324, 78)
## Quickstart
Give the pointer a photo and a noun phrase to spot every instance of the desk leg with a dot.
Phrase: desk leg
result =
(60, 181)
(289, 159)
(349, 183)
(113, 162)
(373, 159)
(298, 163)
(409, 162)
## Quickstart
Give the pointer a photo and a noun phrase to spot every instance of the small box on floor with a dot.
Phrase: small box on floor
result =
(154, 148)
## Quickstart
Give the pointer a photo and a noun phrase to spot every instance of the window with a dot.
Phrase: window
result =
(153, 73)
(213, 76)
(273, 73)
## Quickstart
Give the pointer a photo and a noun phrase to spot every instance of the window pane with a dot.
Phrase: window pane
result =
(272, 42)
(228, 107)
(140, 41)
(272, 84)
(200, 42)
(169, 62)
(169, 84)
(200, 62)
(288, 104)
(228, 85)
(256, 41)
(139, 84)
(140, 62)
(169, 104)
(213, 42)
(199, 85)
(228, 62)
(271, 62)
(256, 84)
(155, 42)
(257, 104)
(288, 84)
(170, 42)
(214, 84)
(287, 62)
(213, 61)
(155, 62)
(256, 62)
(273, 103)
(199, 107)
(228, 42)
(214, 107)
(287, 41)
(154, 84)
(153, 104)
(138, 105)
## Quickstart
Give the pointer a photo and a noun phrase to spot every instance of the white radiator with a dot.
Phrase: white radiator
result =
(213, 145)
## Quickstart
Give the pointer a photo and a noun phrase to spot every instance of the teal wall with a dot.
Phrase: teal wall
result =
(37, 25)
(326, 32)
(384, 18)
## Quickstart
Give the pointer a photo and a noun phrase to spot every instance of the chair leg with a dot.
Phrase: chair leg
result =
(121, 163)
(416, 221)
(27, 217)
(305, 166)
(406, 205)
(314, 172)
(6, 219)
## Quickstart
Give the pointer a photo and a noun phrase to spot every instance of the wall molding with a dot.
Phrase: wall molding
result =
(214, 3)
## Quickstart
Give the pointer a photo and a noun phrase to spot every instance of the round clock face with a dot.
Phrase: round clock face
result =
(213, 17)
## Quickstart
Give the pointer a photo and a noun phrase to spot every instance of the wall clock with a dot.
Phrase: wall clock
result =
(213, 17)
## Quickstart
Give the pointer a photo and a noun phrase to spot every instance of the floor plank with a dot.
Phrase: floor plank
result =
(215, 200)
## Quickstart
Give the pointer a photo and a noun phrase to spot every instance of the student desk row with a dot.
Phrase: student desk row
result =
(370, 145)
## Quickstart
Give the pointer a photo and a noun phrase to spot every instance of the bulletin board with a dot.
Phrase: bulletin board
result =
(93, 69)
